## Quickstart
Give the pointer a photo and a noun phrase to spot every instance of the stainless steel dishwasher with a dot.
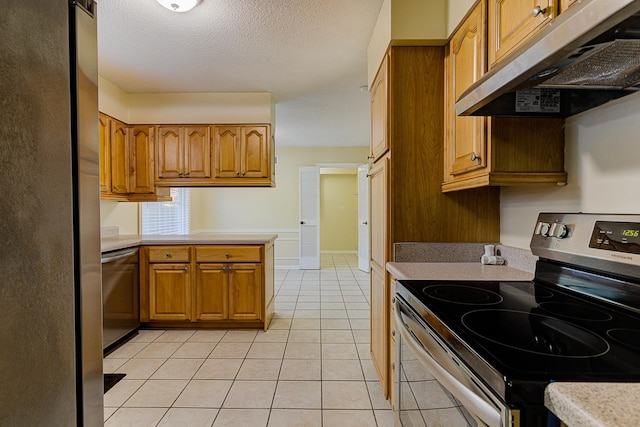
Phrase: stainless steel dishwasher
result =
(120, 295)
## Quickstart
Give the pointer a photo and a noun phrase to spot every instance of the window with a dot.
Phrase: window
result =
(167, 217)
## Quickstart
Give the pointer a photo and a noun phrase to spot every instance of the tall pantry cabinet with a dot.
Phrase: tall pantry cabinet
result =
(406, 201)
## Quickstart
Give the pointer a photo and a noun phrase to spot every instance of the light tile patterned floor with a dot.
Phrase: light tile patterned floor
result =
(311, 368)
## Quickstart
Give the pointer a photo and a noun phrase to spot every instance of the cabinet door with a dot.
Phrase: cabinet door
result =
(169, 152)
(245, 291)
(119, 157)
(379, 184)
(379, 116)
(169, 292)
(254, 152)
(141, 160)
(465, 137)
(197, 152)
(380, 326)
(227, 151)
(212, 295)
(513, 21)
(105, 153)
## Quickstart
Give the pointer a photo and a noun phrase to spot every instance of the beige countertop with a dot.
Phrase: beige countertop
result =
(454, 271)
(112, 243)
(594, 404)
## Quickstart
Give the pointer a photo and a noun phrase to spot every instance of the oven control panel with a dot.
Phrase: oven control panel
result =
(604, 242)
(616, 236)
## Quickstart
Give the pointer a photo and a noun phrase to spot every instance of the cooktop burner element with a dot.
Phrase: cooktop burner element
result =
(534, 333)
(575, 311)
(462, 294)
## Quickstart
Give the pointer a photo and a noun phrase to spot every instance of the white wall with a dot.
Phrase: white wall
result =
(411, 22)
(269, 210)
(602, 159)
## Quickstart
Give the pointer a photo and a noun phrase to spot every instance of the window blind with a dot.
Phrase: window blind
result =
(167, 217)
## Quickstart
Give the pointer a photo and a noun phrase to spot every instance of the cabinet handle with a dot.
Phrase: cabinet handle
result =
(538, 10)
(226, 254)
(369, 157)
(474, 157)
(117, 188)
(365, 223)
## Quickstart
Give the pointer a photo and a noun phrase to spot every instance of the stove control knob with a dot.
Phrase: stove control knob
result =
(558, 230)
(542, 228)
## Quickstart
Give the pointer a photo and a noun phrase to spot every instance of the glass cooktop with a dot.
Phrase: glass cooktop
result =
(530, 332)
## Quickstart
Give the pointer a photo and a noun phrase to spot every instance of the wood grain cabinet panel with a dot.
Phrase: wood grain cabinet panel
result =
(119, 157)
(207, 285)
(141, 160)
(242, 155)
(170, 292)
(379, 117)
(104, 133)
(513, 21)
(212, 292)
(565, 4)
(492, 151)
(183, 155)
(406, 199)
(127, 162)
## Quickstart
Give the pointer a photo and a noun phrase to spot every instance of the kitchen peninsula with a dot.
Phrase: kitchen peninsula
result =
(207, 280)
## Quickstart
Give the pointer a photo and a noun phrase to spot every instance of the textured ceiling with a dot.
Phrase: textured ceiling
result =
(310, 54)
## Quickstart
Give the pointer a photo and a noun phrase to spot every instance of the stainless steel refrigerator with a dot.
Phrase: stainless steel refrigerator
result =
(50, 297)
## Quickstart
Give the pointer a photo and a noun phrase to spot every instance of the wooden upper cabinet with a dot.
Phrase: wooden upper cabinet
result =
(379, 116)
(141, 160)
(492, 151)
(513, 21)
(465, 63)
(242, 154)
(183, 155)
(104, 130)
(254, 152)
(197, 149)
(119, 157)
(227, 151)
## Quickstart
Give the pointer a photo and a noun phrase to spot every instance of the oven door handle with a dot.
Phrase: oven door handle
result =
(473, 403)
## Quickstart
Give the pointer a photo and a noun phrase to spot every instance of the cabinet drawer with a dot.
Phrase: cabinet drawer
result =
(169, 254)
(228, 254)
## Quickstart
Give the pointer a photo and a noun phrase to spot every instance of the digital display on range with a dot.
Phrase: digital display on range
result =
(616, 236)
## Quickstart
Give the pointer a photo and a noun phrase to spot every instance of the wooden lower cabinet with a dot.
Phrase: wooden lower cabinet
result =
(205, 291)
(169, 292)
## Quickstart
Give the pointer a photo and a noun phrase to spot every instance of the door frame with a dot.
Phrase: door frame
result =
(320, 166)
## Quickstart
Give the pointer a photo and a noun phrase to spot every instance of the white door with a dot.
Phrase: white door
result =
(363, 218)
(309, 217)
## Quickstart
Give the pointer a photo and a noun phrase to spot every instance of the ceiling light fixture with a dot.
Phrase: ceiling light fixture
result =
(178, 5)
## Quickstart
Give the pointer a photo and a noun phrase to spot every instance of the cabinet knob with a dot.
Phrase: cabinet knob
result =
(369, 157)
(226, 254)
(186, 173)
(186, 269)
(539, 11)
(230, 268)
(393, 333)
(243, 172)
(117, 188)
(474, 157)
(365, 223)
(237, 173)
(180, 173)
(168, 255)
(301, 222)
(224, 269)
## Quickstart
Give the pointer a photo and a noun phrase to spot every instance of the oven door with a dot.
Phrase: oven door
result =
(434, 387)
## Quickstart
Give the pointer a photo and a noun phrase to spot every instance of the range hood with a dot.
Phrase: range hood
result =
(588, 55)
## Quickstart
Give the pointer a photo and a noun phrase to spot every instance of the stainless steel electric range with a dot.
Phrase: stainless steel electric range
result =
(482, 352)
